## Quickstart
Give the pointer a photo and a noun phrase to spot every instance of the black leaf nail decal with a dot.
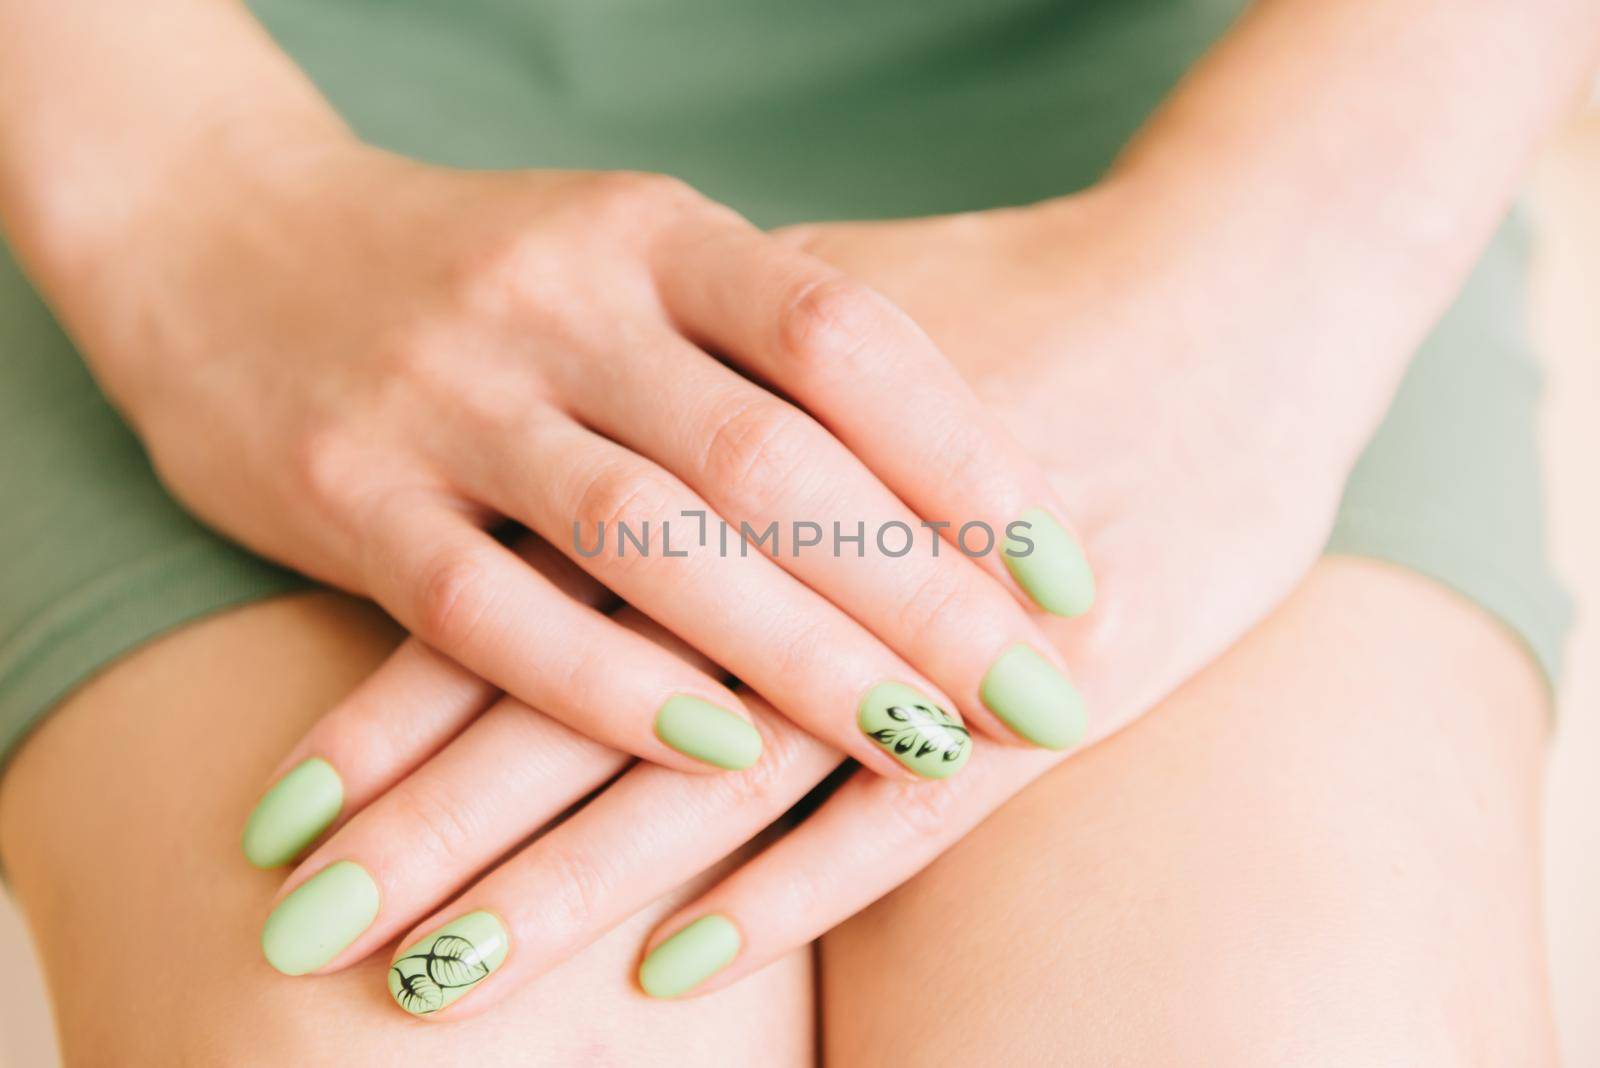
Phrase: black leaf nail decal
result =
(417, 993)
(454, 962)
(449, 962)
(920, 730)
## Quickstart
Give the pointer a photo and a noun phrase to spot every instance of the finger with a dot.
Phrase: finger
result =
(397, 717)
(645, 835)
(469, 597)
(870, 375)
(759, 460)
(826, 870)
(507, 774)
(816, 664)
(510, 772)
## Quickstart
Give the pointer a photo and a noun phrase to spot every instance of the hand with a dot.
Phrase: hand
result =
(1203, 461)
(1204, 468)
(1202, 510)
(384, 360)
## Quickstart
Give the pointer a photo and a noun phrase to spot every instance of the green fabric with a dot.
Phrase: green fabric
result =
(788, 112)
(1450, 486)
(94, 556)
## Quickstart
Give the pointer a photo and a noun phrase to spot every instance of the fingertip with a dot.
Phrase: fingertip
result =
(292, 814)
(1049, 564)
(433, 972)
(320, 918)
(708, 733)
(688, 958)
(1029, 695)
(929, 740)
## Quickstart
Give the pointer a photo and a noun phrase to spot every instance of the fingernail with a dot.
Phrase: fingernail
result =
(1048, 564)
(690, 957)
(324, 915)
(443, 967)
(701, 730)
(931, 741)
(299, 807)
(1034, 699)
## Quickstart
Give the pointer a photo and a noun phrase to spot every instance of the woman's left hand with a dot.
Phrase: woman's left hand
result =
(1205, 479)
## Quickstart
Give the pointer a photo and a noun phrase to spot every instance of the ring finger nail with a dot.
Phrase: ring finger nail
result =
(690, 957)
(1026, 691)
(701, 730)
(929, 740)
(1048, 563)
(324, 915)
(445, 966)
(299, 807)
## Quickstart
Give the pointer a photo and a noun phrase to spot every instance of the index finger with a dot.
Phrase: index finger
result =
(865, 370)
(826, 870)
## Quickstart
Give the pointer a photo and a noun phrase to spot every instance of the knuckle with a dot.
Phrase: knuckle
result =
(628, 198)
(804, 650)
(322, 463)
(651, 187)
(923, 811)
(421, 374)
(824, 326)
(755, 450)
(439, 827)
(807, 892)
(579, 889)
(356, 739)
(422, 378)
(938, 596)
(492, 278)
(625, 496)
(961, 453)
(405, 352)
(454, 594)
(773, 781)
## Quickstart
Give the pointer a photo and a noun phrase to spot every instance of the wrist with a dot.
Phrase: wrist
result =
(133, 284)
(1211, 306)
(74, 230)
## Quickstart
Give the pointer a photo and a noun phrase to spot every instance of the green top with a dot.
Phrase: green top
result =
(788, 112)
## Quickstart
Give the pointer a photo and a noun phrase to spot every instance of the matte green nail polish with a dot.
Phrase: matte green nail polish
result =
(446, 965)
(690, 957)
(931, 741)
(324, 914)
(1034, 699)
(299, 807)
(706, 732)
(1048, 564)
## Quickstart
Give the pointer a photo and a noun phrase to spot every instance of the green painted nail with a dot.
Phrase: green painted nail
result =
(1034, 699)
(299, 807)
(324, 914)
(929, 740)
(446, 965)
(706, 732)
(1049, 564)
(690, 957)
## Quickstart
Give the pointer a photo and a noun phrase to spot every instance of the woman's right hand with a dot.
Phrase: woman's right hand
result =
(1208, 472)
(359, 366)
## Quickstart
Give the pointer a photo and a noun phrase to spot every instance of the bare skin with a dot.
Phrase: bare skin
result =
(153, 955)
(210, 234)
(1319, 851)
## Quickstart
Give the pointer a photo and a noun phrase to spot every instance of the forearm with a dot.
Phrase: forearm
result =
(1336, 166)
(105, 111)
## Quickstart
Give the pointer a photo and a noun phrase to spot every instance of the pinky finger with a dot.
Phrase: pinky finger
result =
(865, 840)
(401, 714)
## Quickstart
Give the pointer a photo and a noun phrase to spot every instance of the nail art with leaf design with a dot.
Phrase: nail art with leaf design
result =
(929, 740)
(435, 972)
